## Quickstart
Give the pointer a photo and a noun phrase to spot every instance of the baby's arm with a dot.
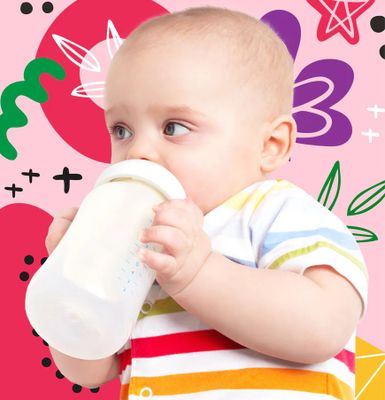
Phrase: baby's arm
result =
(301, 318)
(87, 373)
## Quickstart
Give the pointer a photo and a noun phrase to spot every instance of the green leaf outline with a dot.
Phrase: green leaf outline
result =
(354, 210)
(372, 236)
(329, 183)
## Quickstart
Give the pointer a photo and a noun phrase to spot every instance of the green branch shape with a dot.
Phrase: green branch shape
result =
(12, 116)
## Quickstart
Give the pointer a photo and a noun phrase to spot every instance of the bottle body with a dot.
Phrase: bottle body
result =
(85, 299)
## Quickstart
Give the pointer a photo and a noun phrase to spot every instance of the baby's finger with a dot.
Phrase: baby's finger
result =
(59, 227)
(173, 240)
(67, 214)
(182, 204)
(177, 218)
(56, 231)
(163, 264)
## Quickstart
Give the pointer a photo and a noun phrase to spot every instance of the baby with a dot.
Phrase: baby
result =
(259, 287)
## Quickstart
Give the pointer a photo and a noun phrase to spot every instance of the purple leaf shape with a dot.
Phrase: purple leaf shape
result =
(319, 86)
(287, 27)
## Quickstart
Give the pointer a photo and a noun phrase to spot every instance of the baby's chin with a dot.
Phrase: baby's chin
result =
(206, 207)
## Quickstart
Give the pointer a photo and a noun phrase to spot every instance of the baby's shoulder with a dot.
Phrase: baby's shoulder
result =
(284, 200)
(275, 192)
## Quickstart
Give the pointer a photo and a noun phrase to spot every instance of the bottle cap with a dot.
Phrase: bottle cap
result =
(147, 171)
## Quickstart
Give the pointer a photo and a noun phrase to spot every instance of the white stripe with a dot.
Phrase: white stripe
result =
(125, 375)
(180, 322)
(164, 324)
(243, 394)
(351, 344)
(224, 360)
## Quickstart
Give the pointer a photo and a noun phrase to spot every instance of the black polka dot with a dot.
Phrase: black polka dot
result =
(382, 51)
(47, 7)
(59, 375)
(34, 333)
(95, 390)
(378, 23)
(28, 259)
(26, 8)
(46, 362)
(24, 276)
(76, 388)
(43, 260)
(45, 343)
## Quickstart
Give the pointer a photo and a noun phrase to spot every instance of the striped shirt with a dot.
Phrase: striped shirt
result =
(173, 355)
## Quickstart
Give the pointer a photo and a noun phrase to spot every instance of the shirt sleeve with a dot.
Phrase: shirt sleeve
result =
(302, 233)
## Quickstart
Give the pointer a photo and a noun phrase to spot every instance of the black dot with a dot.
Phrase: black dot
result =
(76, 388)
(378, 23)
(95, 390)
(45, 343)
(24, 276)
(59, 375)
(382, 51)
(47, 7)
(34, 333)
(28, 259)
(46, 362)
(43, 260)
(26, 8)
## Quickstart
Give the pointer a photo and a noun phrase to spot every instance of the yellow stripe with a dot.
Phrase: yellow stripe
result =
(308, 249)
(164, 306)
(238, 201)
(248, 378)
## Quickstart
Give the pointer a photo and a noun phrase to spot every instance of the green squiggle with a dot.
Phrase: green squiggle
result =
(12, 116)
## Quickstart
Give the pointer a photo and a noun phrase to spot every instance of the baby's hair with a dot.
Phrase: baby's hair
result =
(258, 55)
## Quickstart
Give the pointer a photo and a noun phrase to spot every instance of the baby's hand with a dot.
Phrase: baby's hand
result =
(177, 226)
(58, 227)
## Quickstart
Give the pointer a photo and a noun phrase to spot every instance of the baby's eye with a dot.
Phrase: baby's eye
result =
(120, 132)
(175, 132)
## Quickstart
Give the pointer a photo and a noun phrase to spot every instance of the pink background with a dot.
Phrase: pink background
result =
(42, 149)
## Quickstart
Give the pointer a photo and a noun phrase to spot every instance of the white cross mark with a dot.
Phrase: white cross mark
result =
(370, 134)
(376, 110)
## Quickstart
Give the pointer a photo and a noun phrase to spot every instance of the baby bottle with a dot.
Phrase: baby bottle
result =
(85, 299)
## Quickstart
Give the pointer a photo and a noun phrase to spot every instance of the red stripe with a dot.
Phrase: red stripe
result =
(124, 360)
(189, 342)
(348, 358)
(186, 342)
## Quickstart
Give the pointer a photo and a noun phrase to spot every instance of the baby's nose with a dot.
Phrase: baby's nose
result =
(143, 148)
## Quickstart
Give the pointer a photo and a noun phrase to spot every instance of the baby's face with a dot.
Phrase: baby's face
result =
(177, 106)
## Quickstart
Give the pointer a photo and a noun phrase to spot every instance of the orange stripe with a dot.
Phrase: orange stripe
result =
(124, 389)
(248, 378)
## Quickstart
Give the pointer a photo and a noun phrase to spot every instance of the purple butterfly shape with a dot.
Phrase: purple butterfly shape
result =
(318, 87)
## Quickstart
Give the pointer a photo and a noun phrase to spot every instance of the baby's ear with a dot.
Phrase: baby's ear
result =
(279, 139)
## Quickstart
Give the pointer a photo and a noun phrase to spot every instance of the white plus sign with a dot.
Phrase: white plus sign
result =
(376, 110)
(370, 134)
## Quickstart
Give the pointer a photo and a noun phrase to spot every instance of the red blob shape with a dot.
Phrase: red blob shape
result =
(78, 120)
(23, 231)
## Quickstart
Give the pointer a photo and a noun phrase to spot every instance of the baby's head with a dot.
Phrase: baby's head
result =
(223, 80)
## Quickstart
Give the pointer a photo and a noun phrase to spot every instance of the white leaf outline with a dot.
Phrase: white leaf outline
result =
(112, 33)
(83, 90)
(308, 107)
(88, 62)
